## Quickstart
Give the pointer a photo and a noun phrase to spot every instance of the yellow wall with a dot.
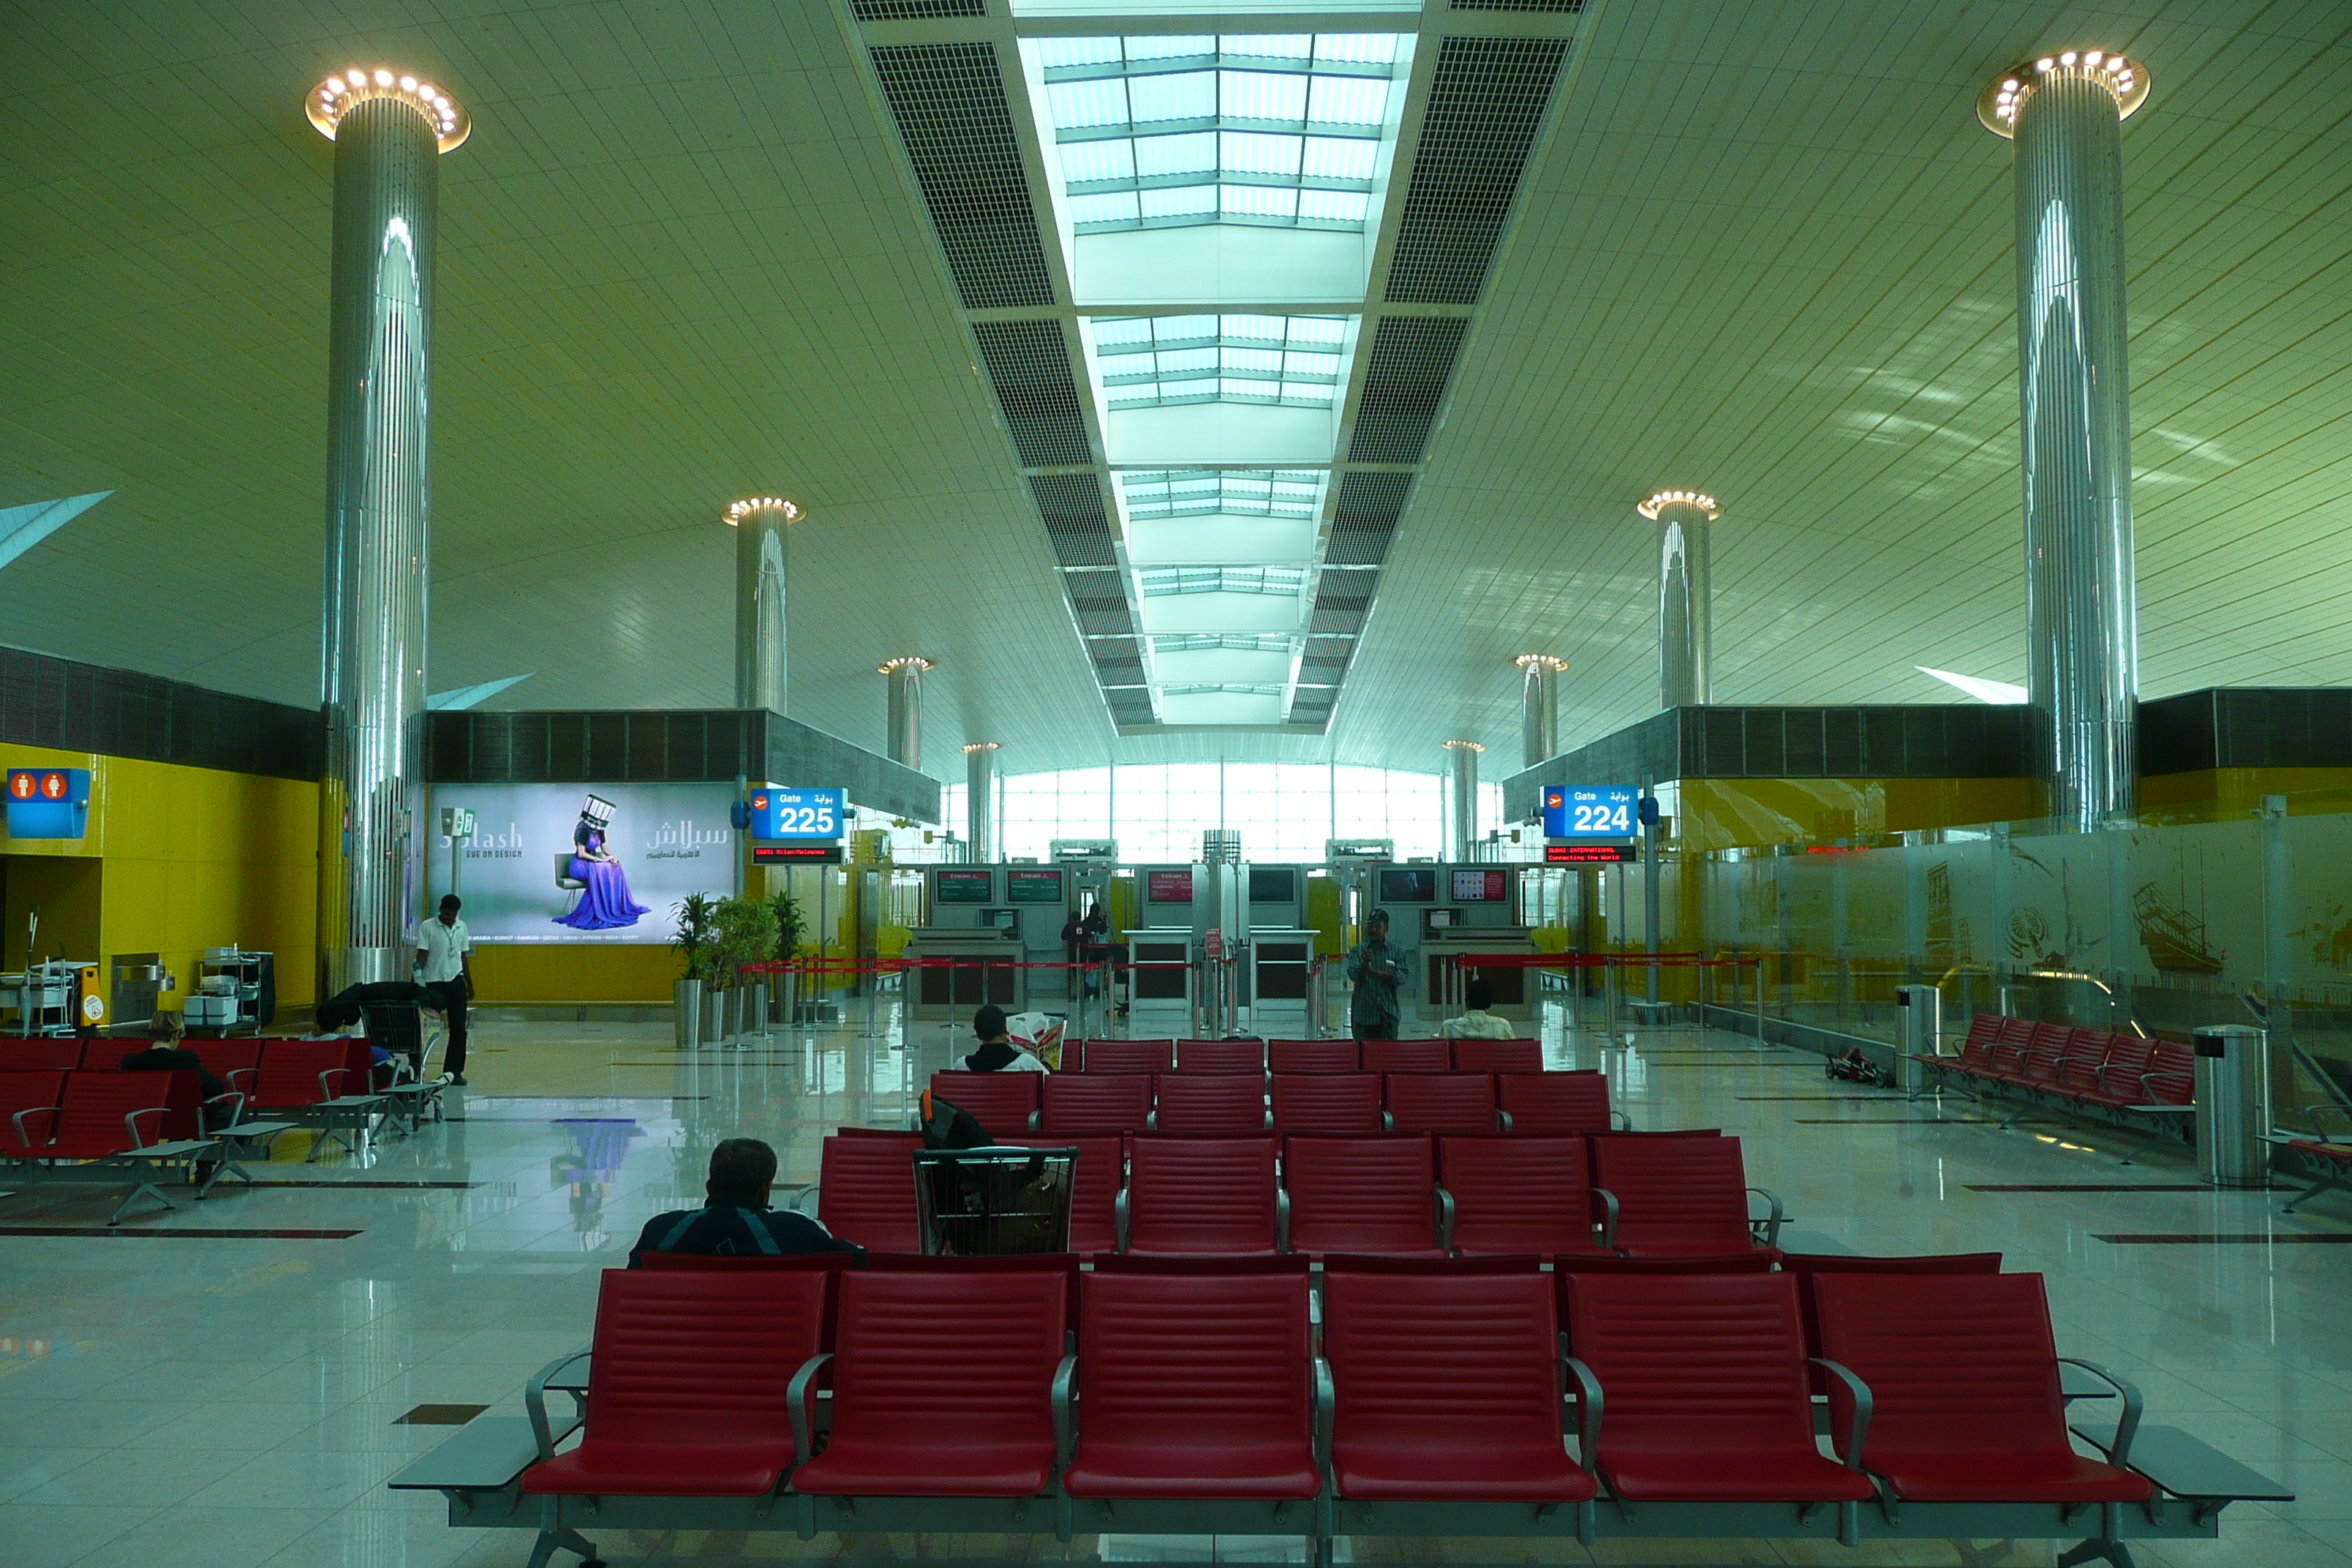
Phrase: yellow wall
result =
(2219, 795)
(1725, 813)
(574, 971)
(178, 859)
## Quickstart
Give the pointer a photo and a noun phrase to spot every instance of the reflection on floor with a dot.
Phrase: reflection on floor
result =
(238, 1396)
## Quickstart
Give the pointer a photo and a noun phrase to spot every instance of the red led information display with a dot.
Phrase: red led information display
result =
(798, 854)
(1590, 854)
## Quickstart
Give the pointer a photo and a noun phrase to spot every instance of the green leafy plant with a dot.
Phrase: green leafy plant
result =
(695, 915)
(790, 927)
(743, 931)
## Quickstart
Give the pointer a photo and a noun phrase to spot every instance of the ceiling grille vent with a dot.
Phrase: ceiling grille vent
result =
(932, 10)
(1486, 100)
(1098, 599)
(1326, 661)
(1313, 707)
(1028, 364)
(1129, 705)
(949, 103)
(1076, 523)
(1364, 518)
(1342, 598)
(1404, 386)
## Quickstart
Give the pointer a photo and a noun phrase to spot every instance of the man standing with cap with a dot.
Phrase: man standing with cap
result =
(444, 966)
(1373, 967)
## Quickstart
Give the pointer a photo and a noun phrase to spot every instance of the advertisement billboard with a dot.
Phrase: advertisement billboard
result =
(595, 863)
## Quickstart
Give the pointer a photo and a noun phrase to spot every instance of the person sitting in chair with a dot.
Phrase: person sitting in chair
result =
(997, 1053)
(1477, 1022)
(736, 1221)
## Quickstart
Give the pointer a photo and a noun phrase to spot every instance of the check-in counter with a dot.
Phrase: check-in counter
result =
(1515, 990)
(1281, 962)
(985, 967)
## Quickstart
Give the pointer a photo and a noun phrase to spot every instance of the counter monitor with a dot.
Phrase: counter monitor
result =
(1272, 884)
(1030, 885)
(1481, 886)
(1167, 886)
(963, 886)
(1414, 885)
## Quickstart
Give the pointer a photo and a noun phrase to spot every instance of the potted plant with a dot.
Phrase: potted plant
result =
(790, 933)
(743, 930)
(696, 929)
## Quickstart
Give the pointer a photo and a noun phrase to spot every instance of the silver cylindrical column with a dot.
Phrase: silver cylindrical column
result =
(980, 800)
(1539, 707)
(906, 736)
(2065, 112)
(389, 133)
(1685, 591)
(1919, 1034)
(2233, 1106)
(760, 523)
(1462, 813)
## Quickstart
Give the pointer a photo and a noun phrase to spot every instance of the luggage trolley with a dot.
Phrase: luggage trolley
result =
(994, 1202)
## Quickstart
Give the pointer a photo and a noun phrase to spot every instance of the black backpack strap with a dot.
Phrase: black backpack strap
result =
(678, 1231)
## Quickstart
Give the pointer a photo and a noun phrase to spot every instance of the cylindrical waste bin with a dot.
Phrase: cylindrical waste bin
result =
(1918, 1032)
(2233, 1106)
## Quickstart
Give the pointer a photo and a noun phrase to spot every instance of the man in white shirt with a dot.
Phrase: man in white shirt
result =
(445, 967)
(1477, 1022)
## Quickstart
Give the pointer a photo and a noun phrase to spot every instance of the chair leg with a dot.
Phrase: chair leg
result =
(2324, 1185)
(146, 1188)
(2145, 1144)
(2096, 1550)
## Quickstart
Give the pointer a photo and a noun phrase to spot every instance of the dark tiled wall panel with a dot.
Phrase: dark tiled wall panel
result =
(74, 706)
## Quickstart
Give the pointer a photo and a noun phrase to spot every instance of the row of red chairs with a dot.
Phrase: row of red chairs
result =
(273, 1075)
(2078, 1068)
(92, 1114)
(1638, 1194)
(1234, 1103)
(1302, 1056)
(1437, 1384)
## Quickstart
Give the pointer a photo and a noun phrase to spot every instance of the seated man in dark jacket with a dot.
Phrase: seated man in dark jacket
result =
(736, 1221)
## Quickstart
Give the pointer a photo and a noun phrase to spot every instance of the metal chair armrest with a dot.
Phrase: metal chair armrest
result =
(1281, 1220)
(1326, 1409)
(236, 1109)
(1444, 1219)
(1624, 1122)
(333, 1090)
(51, 1111)
(1608, 1216)
(234, 1074)
(1388, 1123)
(1503, 1117)
(1589, 1403)
(2128, 1422)
(2311, 1113)
(1119, 1212)
(131, 1121)
(1775, 1220)
(800, 1397)
(1863, 1406)
(1065, 1424)
(803, 1201)
(535, 1403)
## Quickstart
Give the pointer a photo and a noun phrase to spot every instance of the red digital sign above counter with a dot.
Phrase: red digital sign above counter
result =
(1590, 854)
(1167, 886)
(796, 854)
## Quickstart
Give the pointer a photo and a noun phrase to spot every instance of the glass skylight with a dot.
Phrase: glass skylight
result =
(1227, 642)
(1152, 361)
(1203, 690)
(1192, 492)
(1281, 131)
(1160, 581)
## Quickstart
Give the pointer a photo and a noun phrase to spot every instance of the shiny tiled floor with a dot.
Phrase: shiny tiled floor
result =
(233, 1402)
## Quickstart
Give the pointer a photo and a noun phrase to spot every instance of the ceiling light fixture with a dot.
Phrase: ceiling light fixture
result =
(1658, 500)
(738, 511)
(338, 95)
(905, 661)
(2004, 98)
(1548, 661)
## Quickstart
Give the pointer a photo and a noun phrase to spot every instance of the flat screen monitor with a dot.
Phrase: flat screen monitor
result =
(1481, 886)
(1273, 885)
(1409, 884)
(1167, 886)
(1437, 919)
(1027, 885)
(962, 886)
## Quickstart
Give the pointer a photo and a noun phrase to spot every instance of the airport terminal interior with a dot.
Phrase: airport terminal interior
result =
(1176, 781)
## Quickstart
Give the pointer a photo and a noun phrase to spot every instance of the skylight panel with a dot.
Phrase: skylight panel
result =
(1083, 105)
(1184, 96)
(1339, 158)
(1355, 49)
(1191, 202)
(1170, 46)
(1086, 162)
(1116, 207)
(1238, 357)
(1163, 157)
(1295, 47)
(1260, 153)
(1223, 642)
(1160, 581)
(1347, 101)
(1149, 493)
(1262, 95)
(1059, 54)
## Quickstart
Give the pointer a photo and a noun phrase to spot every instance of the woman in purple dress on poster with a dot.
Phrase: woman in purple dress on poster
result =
(604, 901)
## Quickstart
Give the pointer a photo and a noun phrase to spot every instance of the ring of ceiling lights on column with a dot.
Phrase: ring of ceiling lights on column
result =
(2004, 96)
(1658, 500)
(333, 98)
(742, 509)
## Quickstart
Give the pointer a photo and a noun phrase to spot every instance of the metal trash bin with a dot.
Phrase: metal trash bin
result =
(993, 1203)
(1918, 1028)
(2233, 1106)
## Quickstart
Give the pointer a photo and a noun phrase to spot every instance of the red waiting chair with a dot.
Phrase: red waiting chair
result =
(1221, 1056)
(1343, 1102)
(1808, 1267)
(866, 1190)
(1448, 1388)
(1454, 1102)
(31, 1052)
(1678, 1196)
(1194, 1386)
(1499, 1056)
(1004, 1103)
(1361, 1194)
(1407, 1056)
(28, 1107)
(1965, 1405)
(1313, 1056)
(1200, 1195)
(1080, 1102)
(942, 1386)
(1557, 1102)
(1505, 1196)
(1130, 1056)
(295, 1074)
(698, 1379)
(1692, 1390)
(1215, 1105)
